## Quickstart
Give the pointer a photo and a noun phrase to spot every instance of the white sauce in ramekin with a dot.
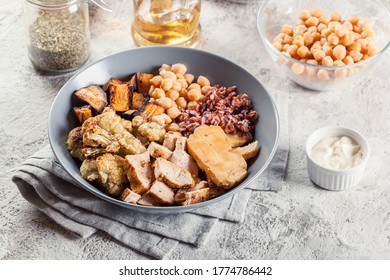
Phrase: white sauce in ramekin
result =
(337, 153)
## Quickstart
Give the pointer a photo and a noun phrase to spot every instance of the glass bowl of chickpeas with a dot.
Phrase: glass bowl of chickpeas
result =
(325, 45)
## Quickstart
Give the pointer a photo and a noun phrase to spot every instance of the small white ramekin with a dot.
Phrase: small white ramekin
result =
(336, 180)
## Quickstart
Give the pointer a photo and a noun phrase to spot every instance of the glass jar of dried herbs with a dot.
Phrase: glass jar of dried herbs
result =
(58, 34)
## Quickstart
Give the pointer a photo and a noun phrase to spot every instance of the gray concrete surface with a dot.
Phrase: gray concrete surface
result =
(301, 222)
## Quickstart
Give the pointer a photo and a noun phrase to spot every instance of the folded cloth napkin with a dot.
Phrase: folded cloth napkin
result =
(43, 182)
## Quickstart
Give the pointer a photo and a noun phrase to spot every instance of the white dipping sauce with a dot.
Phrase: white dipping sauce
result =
(337, 153)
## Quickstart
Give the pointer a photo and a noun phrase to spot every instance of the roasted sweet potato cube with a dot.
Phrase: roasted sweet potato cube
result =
(94, 96)
(133, 82)
(143, 82)
(138, 100)
(111, 82)
(83, 113)
(120, 97)
(151, 110)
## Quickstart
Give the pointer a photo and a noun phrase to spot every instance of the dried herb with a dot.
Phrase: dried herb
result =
(59, 40)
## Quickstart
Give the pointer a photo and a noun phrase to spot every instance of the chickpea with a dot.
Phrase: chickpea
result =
(287, 29)
(158, 119)
(277, 46)
(368, 33)
(303, 51)
(312, 21)
(203, 81)
(303, 59)
(357, 29)
(348, 60)
(166, 84)
(292, 50)
(327, 61)
(156, 81)
(340, 73)
(339, 52)
(323, 19)
(315, 47)
(168, 75)
(297, 68)
(194, 94)
(172, 127)
(183, 93)
(164, 67)
(355, 46)
(338, 63)
(335, 16)
(173, 94)
(333, 24)
(354, 20)
(308, 38)
(340, 30)
(317, 13)
(193, 86)
(321, 27)
(205, 89)
(179, 76)
(302, 28)
(158, 93)
(323, 75)
(312, 61)
(362, 23)
(333, 39)
(176, 85)
(316, 36)
(310, 73)
(202, 98)
(181, 102)
(173, 112)
(326, 32)
(312, 29)
(288, 40)
(298, 41)
(348, 25)
(372, 51)
(183, 83)
(189, 78)
(356, 56)
(304, 15)
(179, 68)
(319, 55)
(328, 50)
(347, 39)
(285, 47)
(192, 104)
(164, 102)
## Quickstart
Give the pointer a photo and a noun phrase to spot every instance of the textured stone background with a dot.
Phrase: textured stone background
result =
(301, 222)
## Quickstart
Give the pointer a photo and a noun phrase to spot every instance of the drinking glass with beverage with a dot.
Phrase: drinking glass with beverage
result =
(166, 22)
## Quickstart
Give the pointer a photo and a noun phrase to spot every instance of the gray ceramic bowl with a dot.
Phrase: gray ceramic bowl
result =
(123, 65)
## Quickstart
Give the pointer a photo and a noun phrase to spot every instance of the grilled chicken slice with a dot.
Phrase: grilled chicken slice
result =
(146, 200)
(180, 195)
(129, 196)
(182, 159)
(171, 174)
(156, 150)
(250, 150)
(161, 193)
(201, 195)
(139, 172)
(170, 140)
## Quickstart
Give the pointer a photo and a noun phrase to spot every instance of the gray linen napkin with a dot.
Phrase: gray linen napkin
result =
(43, 182)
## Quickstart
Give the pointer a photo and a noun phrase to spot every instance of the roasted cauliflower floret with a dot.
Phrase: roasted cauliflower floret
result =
(113, 123)
(152, 131)
(89, 170)
(111, 174)
(137, 121)
(95, 136)
(75, 143)
(129, 145)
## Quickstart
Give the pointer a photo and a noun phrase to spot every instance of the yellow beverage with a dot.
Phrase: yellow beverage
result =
(166, 22)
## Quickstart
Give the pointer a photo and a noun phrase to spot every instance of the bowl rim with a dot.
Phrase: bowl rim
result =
(265, 40)
(165, 209)
(327, 131)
